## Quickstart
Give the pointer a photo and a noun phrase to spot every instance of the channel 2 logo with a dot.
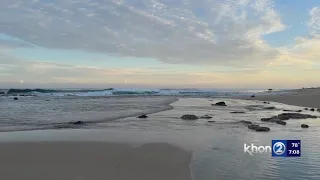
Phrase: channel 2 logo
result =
(286, 148)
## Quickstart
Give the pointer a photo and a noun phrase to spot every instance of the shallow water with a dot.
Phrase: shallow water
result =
(218, 147)
(31, 113)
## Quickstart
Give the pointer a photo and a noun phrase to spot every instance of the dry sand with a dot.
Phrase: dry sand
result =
(300, 97)
(92, 161)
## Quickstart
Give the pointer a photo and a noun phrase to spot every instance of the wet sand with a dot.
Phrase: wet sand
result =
(301, 97)
(92, 160)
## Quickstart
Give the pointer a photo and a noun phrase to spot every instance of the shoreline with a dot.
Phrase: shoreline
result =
(309, 97)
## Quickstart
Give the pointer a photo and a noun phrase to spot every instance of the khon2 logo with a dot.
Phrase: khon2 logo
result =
(279, 148)
(286, 148)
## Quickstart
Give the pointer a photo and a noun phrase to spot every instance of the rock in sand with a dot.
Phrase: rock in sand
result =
(15, 98)
(253, 96)
(304, 125)
(312, 109)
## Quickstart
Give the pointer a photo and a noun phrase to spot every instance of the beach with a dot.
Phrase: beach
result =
(162, 146)
(309, 97)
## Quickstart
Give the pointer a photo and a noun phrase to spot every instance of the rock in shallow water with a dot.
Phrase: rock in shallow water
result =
(270, 108)
(237, 112)
(206, 117)
(281, 122)
(253, 126)
(286, 116)
(143, 116)
(246, 122)
(258, 128)
(304, 126)
(15, 98)
(312, 109)
(78, 123)
(220, 104)
(189, 117)
(263, 129)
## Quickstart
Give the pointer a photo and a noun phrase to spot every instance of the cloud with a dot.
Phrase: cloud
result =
(314, 22)
(207, 32)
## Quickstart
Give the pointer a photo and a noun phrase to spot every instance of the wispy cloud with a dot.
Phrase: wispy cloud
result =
(180, 31)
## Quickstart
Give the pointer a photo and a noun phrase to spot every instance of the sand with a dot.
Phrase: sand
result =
(93, 161)
(301, 97)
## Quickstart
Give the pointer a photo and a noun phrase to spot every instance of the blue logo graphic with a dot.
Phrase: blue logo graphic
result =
(279, 148)
(286, 148)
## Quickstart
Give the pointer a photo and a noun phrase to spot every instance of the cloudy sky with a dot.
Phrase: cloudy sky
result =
(160, 43)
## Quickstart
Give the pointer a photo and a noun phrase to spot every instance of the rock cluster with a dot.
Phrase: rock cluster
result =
(287, 116)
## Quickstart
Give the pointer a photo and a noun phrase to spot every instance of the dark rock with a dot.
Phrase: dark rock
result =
(78, 123)
(15, 98)
(286, 116)
(220, 104)
(270, 89)
(246, 122)
(318, 109)
(272, 119)
(312, 109)
(211, 121)
(270, 108)
(265, 119)
(189, 117)
(266, 103)
(143, 116)
(305, 108)
(299, 111)
(253, 126)
(237, 112)
(253, 96)
(285, 110)
(281, 122)
(206, 117)
(263, 129)
(304, 126)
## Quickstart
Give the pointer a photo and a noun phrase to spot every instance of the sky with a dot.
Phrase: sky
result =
(159, 43)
